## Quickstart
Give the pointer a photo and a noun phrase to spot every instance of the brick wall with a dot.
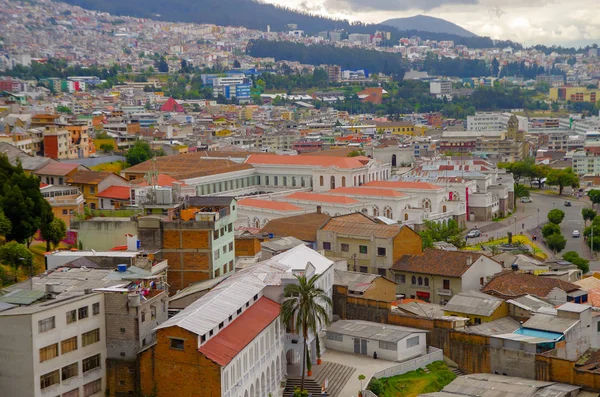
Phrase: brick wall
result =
(166, 372)
(121, 378)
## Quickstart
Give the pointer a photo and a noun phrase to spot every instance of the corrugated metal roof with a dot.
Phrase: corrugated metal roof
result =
(473, 302)
(373, 331)
(548, 322)
(224, 346)
(22, 297)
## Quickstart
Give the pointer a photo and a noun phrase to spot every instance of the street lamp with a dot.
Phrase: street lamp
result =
(515, 225)
(538, 218)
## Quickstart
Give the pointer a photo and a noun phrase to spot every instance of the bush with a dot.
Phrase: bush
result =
(549, 229)
(376, 386)
(556, 216)
(556, 242)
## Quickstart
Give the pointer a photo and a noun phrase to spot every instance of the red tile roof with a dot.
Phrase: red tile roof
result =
(223, 347)
(403, 185)
(325, 198)
(438, 262)
(171, 106)
(366, 191)
(267, 204)
(116, 192)
(309, 161)
(54, 168)
(510, 284)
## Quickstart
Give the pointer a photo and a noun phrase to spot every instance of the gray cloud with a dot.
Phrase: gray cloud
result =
(351, 6)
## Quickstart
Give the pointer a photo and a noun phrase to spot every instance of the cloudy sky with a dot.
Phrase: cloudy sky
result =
(561, 22)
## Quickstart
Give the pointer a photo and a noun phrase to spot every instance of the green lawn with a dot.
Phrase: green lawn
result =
(516, 239)
(413, 383)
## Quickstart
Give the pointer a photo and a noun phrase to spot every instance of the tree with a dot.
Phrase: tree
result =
(549, 229)
(574, 258)
(64, 109)
(556, 216)
(139, 153)
(53, 232)
(22, 202)
(15, 255)
(556, 242)
(537, 173)
(107, 147)
(5, 225)
(594, 196)
(356, 153)
(304, 309)
(236, 64)
(449, 233)
(588, 214)
(562, 178)
(520, 191)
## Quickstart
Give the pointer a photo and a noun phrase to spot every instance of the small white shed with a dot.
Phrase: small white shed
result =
(391, 342)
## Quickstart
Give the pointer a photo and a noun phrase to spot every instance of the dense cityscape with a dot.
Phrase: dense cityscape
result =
(313, 207)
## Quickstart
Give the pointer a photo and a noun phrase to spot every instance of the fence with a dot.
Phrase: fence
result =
(433, 354)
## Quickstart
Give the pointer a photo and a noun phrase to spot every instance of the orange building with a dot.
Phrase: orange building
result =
(372, 94)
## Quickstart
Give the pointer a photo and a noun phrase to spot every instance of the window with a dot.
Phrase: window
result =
(321, 180)
(143, 317)
(90, 337)
(363, 269)
(276, 180)
(382, 272)
(72, 393)
(598, 327)
(221, 324)
(380, 251)
(90, 363)
(217, 272)
(362, 249)
(216, 235)
(68, 345)
(96, 308)
(412, 342)
(327, 246)
(48, 352)
(51, 378)
(177, 344)
(477, 320)
(92, 388)
(152, 312)
(71, 316)
(481, 280)
(70, 371)
(388, 345)
(334, 336)
(216, 254)
(46, 324)
(426, 281)
(413, 280)
(400, 279)
(92, 190)
(65, 212)
(345, 247)
(83, 312)
(267, 180)
(446, 284)
(420, 281)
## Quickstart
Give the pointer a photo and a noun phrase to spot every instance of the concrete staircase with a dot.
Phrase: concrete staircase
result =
(457, 371)
(337, 376)
(310, 385)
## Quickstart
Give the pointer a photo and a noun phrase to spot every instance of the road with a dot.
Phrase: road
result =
(530, 215)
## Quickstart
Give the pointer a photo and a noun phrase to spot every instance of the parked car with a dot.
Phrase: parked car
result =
(575, 233)
(567, 203)
(526, 199)
(474, 233)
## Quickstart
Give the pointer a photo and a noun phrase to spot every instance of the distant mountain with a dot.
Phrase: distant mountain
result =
(256, 15)
(428, 24)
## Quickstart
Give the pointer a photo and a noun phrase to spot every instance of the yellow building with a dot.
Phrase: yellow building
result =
(575, 94)
(396, 128)
(90, 183)
(476, 306)
(368, 286)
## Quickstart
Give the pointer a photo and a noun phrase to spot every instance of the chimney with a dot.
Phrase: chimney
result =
(318, 209)
(469, 260)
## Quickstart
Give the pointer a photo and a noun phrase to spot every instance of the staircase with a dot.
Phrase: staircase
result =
(337, 376)
(457, 371)
(310, 385)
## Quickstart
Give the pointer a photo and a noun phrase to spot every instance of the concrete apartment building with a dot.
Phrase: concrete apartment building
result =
(494, 121)
(56, 348)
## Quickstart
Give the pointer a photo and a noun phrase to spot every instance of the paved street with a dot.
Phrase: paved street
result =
(530, 215)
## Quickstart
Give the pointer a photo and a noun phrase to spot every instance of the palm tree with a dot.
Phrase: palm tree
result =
(520, 191)
(304, 309)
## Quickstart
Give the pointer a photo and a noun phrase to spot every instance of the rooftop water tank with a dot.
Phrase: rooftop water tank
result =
(122, 267)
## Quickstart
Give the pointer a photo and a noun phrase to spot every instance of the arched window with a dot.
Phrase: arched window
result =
(332, 182)
(343, 181)
(426, 281)
(276, 180)
(321, 180)
(364, 211)
(413, 280)
(375, 210)
(302, 183)
(405, 217)
(285, 181)
(420, 281)
(387, 212)
(444, 208)
(294, 181)
(355, 184)
(256, 223)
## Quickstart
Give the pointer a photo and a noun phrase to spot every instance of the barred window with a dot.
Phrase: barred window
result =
(91, 363)
(92, 388)
(71, 316)
(68, 345)
(46, 324)
(388, 345)
(70, 371)
(49, 379)
(335, 336)
(48, 352)
(87, 338)
(412, 342)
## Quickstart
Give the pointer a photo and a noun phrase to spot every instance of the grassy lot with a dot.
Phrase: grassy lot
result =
(115, 166)
(516, 239)
(413, 383)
